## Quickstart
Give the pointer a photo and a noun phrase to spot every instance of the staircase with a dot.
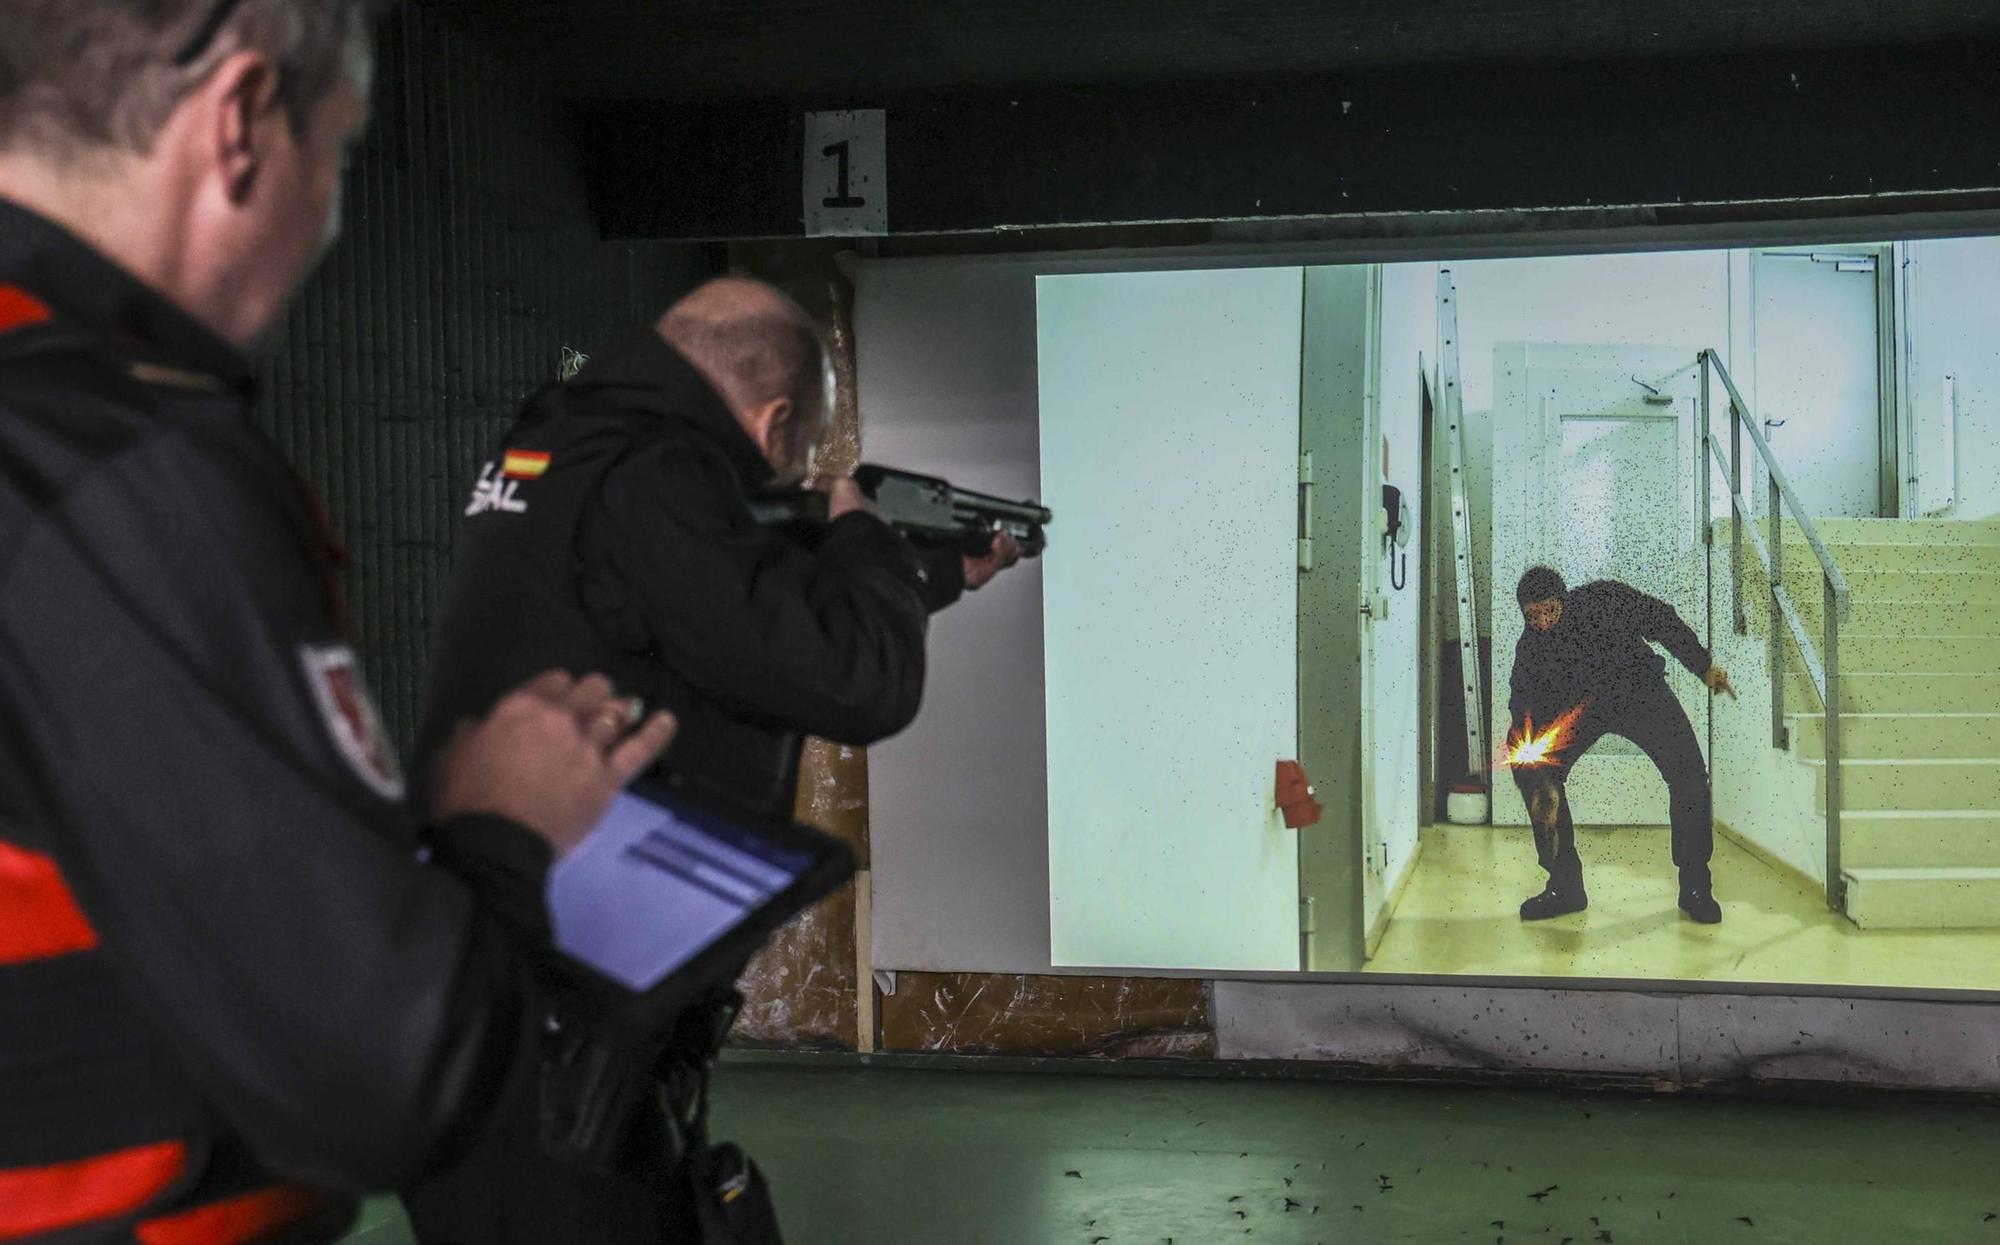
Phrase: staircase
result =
(1920, 715)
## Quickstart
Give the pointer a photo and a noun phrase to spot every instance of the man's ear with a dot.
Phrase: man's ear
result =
(773, 423)
(241, 99)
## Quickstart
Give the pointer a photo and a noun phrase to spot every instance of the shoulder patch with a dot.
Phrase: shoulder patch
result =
(349, 712)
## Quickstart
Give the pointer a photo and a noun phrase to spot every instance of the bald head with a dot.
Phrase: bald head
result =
(764, 355)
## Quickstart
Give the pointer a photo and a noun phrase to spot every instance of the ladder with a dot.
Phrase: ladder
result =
(1452, 412)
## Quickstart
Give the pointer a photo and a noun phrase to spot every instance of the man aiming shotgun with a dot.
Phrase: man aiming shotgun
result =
(614, 530)
(1583, 669)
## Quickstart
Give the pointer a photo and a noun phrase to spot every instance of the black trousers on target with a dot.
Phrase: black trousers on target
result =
(1650, 715)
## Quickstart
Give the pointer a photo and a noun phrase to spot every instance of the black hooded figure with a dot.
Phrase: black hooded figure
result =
(1588, 653)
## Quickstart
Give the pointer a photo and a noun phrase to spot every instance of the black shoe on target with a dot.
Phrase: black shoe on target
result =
(1701, 907)
(1554, 901)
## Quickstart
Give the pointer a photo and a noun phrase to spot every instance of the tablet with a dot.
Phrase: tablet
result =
(667, 894)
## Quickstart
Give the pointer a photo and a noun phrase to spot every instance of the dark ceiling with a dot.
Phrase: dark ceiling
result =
(852, 49)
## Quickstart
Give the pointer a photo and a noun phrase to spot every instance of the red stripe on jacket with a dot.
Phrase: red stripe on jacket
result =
(41, 1199)
(39, 918)
(235, 1221)
(20, 309)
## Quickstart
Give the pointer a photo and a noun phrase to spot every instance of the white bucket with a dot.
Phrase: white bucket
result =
(1465, 808)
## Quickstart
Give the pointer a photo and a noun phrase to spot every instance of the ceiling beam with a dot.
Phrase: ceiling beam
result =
(1866, 126)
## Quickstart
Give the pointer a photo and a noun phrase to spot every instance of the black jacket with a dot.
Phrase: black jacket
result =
(1599, 651)
(611, 532)
(260, 975)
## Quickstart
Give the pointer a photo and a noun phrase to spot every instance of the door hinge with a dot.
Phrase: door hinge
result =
(1374, 606)
(1305, 512)
(1306, 925)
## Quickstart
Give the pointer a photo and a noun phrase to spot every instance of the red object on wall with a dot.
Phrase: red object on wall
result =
(1295, 796)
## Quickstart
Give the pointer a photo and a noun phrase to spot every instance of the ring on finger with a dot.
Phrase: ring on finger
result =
(624, 714)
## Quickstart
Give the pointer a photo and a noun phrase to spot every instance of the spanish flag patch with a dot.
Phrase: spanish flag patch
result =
(523, 464)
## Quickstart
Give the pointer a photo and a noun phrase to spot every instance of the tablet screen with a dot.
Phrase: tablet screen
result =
(657, 882)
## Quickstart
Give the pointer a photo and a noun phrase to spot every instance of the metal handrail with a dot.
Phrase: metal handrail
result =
(1824, 672)
(1741, 410)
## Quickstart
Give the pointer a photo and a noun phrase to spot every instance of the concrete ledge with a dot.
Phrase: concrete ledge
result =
(1670, 1040)
(1789, 1087)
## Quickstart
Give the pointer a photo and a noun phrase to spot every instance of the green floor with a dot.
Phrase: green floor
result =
(887, 1156)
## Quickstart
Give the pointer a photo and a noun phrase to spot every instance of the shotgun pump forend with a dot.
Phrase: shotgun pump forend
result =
(922, 508)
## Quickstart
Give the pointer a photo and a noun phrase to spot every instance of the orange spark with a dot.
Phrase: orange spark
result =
(1529, 748)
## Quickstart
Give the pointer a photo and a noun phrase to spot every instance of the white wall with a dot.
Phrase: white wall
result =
(946, 369)
(945, 360)
(1761, 793)
(1170, 449)
(947, 376)
(1408, 332)
(1955, 329)
(1615, 300)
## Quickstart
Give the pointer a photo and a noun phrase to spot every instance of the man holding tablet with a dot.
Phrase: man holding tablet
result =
(612, 530)
(231, 993)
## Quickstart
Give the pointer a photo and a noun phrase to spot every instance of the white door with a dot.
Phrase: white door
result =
(1818, 391)
(1597, 445)
(1169, 454)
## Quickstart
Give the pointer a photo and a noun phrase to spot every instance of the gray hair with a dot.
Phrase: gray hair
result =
(78, 76)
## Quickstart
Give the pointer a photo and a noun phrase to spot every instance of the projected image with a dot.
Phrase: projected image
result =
(1620, 616)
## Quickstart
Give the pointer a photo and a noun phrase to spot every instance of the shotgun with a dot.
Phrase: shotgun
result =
(923, 508)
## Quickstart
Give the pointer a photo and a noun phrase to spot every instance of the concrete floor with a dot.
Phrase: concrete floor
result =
(891, 1156)
(1459, 914)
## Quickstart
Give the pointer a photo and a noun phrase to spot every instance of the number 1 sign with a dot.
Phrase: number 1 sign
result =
(846, 174)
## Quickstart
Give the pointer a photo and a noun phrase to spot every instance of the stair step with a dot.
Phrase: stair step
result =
(1946, 839)
(1901, 693)
(1907, 654)
(1900, 736)
(1943, 898)
(1922, 785)
(1866, 587)
(1885, 618)
(1929, 532)
(1860, 558)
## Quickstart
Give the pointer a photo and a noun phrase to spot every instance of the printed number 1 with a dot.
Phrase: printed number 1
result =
(841, 198)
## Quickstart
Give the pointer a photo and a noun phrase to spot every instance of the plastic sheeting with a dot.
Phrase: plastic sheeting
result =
(800, 990)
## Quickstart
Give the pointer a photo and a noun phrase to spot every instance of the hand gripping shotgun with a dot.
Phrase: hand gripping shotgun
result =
(923, 508)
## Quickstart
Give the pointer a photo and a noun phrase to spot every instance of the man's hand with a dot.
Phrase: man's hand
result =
(550, 756)
(1718, 682)
(843, 496)
(1004, 552)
